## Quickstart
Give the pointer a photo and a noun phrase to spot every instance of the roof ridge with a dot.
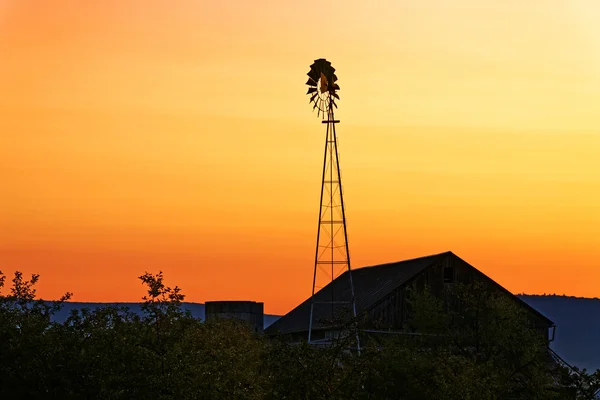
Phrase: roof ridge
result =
(391, 263)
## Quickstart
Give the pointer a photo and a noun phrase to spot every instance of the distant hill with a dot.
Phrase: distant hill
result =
(196, 309)
(577, 319)
(577, 338)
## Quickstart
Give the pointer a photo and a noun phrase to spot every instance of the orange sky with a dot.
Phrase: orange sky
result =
(147, 135)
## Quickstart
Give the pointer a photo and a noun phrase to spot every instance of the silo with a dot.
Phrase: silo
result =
(248, 311)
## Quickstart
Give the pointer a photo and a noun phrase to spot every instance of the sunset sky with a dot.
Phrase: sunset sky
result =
(176, 135)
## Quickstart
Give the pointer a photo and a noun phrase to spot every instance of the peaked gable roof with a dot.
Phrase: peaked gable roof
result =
(371, 284)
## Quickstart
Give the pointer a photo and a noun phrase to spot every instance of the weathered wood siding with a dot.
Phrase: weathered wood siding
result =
(391, 312)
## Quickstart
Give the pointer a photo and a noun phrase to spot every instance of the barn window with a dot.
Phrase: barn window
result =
(448, 273)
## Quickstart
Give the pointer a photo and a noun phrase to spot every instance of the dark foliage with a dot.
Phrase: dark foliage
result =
(485, 351)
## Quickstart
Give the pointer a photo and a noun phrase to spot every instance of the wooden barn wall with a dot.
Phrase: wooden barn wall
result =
(466, 274)
(391, 311)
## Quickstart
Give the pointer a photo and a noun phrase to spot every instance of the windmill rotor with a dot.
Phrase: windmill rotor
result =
(322, 86)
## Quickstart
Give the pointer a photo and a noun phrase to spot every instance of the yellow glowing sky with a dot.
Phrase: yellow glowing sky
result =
(176, 135)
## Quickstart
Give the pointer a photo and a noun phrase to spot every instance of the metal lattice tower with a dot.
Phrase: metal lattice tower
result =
(332, 256)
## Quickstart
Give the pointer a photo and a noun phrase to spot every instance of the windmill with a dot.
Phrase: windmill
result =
(332, 257)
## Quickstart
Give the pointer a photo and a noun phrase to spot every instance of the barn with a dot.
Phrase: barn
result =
(381, 296)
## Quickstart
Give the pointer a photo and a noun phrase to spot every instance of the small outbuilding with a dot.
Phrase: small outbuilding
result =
(250, 312)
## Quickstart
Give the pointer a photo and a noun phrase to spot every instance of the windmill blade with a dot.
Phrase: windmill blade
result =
(311, 82)
(311, 90)
(321, 61)
(321, 66)
(314, 74)
(335, 95)
(313, 97)
(336, 87)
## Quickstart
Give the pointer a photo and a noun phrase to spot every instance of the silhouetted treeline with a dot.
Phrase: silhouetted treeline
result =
(556, 295)
(487, 351)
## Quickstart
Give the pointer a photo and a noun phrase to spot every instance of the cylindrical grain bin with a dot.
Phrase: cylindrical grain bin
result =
(247, 311)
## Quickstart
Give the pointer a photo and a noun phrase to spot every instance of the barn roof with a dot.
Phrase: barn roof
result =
(371, 284)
